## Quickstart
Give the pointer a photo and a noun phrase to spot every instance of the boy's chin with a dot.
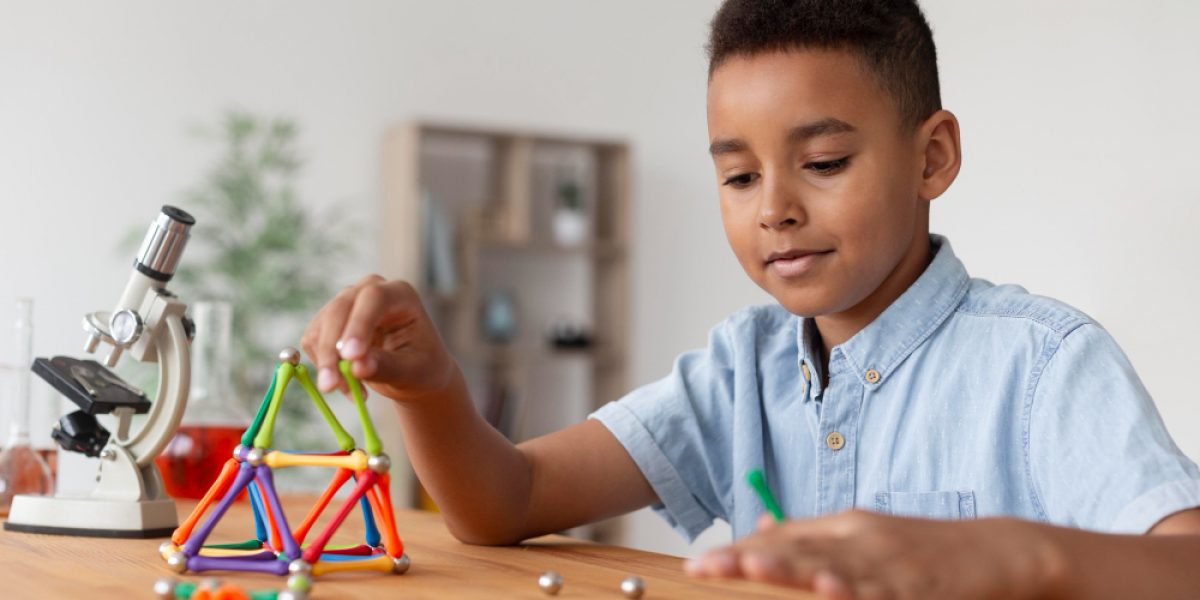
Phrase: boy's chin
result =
(806, 303)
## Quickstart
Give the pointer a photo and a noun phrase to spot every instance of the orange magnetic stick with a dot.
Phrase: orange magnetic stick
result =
(224, 480)
(230, 591)
(339, 478)
(389, 515)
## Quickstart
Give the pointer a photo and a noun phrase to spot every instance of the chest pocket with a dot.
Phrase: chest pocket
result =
(927, 505)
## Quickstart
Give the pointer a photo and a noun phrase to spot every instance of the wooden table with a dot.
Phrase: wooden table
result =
(42, 566)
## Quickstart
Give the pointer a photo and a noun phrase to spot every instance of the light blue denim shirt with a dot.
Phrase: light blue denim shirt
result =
(963, 399)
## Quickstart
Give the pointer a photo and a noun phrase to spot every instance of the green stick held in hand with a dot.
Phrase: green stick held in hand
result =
(758, 481)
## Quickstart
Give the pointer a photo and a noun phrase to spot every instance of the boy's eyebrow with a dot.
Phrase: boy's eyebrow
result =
(799, 133)
(826, 126)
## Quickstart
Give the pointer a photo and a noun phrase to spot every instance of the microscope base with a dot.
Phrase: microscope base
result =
(91, 517)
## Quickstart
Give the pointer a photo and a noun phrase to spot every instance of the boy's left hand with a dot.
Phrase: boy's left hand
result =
(865, 556)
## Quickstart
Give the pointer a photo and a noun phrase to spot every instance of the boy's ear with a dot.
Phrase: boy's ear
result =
(941, 154)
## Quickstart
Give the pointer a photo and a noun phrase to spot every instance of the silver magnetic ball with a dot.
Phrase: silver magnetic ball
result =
(380, 463)
(167, 547)
(164, 588)
(633, 587)
(299, 582)
(289, 355)
(550, 582)
(300, 566)
(212, 583)
(255, 456)
(400, 565)
(177, 561)
(237, 451)
(291, 595)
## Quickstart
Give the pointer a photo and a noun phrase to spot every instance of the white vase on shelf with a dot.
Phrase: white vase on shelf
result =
(570, 227)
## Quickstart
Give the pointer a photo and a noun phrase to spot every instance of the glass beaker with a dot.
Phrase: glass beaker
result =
(22, 470)
(214, 420)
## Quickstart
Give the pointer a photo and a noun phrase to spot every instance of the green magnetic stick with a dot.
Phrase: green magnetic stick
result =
(283, 376)
(252, 431)
(373, 445)
(758, 481)
(345, 440)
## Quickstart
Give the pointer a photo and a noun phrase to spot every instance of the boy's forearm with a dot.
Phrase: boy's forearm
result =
(480, 480)
(1096, 565)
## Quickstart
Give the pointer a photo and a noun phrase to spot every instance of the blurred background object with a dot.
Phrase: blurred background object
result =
(540, 233)
(264, 256)
(22, 468)
(215, 418)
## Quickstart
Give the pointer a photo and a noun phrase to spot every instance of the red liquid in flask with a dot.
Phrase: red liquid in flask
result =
(194, 458)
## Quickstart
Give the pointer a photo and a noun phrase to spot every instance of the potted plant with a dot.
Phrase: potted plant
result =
(571, 227)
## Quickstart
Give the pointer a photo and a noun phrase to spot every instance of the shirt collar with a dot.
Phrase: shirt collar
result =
(881, 346)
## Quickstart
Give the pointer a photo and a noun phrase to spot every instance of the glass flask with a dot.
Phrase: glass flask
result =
(22, 470)
(214, 420)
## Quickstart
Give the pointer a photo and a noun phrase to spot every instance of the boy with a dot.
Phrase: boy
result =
(983, 428)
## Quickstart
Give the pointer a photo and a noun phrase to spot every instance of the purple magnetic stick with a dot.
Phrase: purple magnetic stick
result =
(196, 540)
(237, 563)
(267, 482)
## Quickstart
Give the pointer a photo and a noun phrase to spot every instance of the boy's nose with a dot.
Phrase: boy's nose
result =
(779, 208)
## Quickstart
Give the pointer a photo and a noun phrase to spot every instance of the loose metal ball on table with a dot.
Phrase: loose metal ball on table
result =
(290, 594)
(550, 582)
(633, 587)
(164, 588)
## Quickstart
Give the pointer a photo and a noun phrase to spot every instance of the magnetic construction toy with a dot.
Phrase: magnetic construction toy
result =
(278, 549)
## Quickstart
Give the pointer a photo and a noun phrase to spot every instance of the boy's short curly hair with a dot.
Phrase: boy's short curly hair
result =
(890, 36)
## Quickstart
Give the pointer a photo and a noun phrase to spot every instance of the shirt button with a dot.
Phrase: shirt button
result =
(807, 373)
(872, 376)
(835, 441)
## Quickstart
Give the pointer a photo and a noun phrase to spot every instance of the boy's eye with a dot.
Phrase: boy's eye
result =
(741, 181)
(828, 167)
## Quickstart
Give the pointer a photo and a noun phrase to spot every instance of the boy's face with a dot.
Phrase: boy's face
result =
(818, 180)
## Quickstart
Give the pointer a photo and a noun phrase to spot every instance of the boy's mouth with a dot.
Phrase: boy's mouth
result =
(795, 263)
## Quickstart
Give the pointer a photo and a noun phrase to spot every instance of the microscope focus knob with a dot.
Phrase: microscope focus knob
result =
(126, 327)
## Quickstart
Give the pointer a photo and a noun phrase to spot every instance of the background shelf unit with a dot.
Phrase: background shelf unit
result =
(479, 202)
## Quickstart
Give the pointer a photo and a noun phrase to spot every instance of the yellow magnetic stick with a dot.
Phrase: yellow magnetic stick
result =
(382, 563)
(355, 461)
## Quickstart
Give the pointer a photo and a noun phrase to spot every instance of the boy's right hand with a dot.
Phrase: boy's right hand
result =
(383, 329)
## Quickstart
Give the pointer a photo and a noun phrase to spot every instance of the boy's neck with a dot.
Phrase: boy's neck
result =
(836, 328)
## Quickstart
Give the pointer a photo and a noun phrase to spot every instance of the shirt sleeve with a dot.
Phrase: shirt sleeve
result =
(672, 430)
(1099, 454)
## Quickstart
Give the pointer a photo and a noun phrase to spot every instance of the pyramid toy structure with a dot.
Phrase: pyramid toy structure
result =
(277, 548)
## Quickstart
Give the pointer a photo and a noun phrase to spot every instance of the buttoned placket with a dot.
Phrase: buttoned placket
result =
(842, 402)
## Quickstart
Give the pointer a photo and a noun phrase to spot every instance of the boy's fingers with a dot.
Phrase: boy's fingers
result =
(716, 563)
(765, 521)
(375, 301)
(831, 587)
(333, 320)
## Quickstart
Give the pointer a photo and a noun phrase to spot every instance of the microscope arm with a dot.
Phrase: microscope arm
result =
(174, 376)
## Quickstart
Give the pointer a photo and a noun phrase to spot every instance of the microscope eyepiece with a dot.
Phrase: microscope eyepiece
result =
(164, 243)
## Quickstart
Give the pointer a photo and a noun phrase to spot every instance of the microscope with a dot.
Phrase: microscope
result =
(149, 324)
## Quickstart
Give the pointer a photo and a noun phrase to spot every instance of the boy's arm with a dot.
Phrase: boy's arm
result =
(492, 492)
(489, 491)
(866, 555)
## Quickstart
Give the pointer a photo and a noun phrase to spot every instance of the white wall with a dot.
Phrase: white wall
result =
(1078, 126)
